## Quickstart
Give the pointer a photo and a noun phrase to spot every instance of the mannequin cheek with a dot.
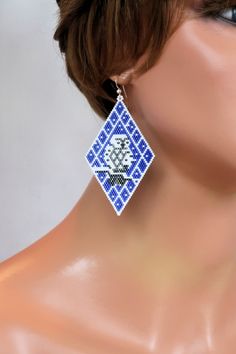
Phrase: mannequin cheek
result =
(170, 104)
(190, 107)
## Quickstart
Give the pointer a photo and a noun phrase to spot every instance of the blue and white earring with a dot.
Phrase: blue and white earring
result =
(119, 155)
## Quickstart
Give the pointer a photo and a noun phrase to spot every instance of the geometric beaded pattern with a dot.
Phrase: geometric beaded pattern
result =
(119, 156)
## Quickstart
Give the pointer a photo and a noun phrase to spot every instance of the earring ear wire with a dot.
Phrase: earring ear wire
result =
(119, 97)
(124, 90)
(119, 90)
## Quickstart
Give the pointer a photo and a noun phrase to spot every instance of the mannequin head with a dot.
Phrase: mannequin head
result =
(177, 62)
(103, 39)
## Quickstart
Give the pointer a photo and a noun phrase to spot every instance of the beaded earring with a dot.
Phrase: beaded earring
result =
(119, 155)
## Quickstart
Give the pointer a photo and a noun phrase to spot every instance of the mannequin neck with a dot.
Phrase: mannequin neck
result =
(175, 228)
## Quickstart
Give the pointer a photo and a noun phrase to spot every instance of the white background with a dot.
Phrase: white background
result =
(46, 127)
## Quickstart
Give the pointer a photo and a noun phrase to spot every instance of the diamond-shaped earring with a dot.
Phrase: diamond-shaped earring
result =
(119, 155)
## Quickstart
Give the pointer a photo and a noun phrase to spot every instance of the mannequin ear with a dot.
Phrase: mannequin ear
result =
(124, 78)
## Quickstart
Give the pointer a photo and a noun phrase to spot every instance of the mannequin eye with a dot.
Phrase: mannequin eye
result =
(216, 11)
(228, 15)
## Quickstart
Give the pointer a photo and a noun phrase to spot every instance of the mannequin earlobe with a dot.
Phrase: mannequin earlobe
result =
(124, 78)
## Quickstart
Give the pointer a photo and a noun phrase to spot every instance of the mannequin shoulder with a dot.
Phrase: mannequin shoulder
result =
(18, 276)
(34, 301)
(17, 270)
